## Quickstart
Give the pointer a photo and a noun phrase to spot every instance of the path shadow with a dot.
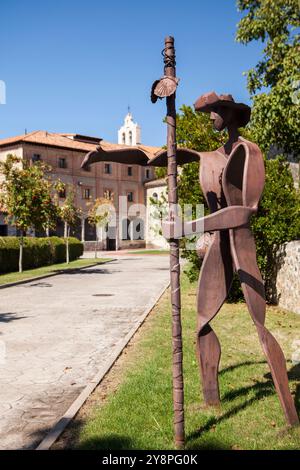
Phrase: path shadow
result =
(38, 284)
(88, 271)
(210, 444)
(293, 374)
(110, 442)
(240, 364)
(116, 442)
(10, 316)
(261, 390)
(70, 440)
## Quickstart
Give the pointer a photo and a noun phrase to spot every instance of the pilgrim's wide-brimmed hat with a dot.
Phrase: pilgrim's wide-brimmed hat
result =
(210, 101)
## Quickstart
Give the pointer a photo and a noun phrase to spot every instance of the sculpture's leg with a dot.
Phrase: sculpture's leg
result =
(244, 255)
(208, 353)
(214, 284)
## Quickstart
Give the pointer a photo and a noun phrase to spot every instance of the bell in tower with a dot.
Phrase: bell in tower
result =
(130, 132)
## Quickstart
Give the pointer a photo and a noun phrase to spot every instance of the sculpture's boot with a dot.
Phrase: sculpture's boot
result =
(209, 353)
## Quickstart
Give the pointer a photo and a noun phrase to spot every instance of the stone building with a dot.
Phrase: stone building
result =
(64, 153)
(156, 190)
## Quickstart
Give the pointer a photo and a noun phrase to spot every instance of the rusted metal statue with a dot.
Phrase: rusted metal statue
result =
(232, 179)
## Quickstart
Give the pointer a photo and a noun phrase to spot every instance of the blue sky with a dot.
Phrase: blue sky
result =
(75, 66)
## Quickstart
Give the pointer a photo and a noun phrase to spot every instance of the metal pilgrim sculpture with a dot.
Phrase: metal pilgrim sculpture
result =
(232, 180)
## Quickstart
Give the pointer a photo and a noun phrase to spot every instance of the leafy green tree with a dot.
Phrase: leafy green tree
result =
(194, 130)
(99, 215)
(274, 82)
(70, 214)
(26, 197)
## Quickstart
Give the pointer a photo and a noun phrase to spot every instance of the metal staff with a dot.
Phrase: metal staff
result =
(166, 88)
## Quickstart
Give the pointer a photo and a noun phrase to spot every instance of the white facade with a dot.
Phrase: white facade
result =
(130, 132)
(153, 236)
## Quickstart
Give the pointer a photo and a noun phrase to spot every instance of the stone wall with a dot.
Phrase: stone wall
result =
(295, 170)
(288, 276)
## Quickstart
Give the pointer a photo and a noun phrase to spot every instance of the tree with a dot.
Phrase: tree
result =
(70, 214)
(26, 197)
(275, 118)
(194, 130)
(99, 215)
(277, 220)
(159, 212)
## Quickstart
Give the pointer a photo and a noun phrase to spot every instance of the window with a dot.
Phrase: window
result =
(125, 229)
(108, 194)
(129, 171)
(3, 230)
(62, 193)
(130, 196)
(155, 197)
(86, 193)
(138, 229)
(107, 168)
(62, 163)
(123, 138)
(147, 174)
(36, 157)
(130, 137)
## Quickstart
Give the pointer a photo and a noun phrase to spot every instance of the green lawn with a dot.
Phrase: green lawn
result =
(136, 412)
(31, 273)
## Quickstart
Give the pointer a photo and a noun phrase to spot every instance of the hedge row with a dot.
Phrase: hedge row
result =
(37, 252)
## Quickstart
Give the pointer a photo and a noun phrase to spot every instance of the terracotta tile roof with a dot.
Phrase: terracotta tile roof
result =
(62, 140)
(156, 183)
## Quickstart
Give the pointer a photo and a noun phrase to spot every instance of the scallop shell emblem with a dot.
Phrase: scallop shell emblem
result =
(164, 87)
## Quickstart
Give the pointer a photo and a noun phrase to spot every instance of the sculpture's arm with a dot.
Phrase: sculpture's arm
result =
(138, 156)
(127, 155)
(224, 219)
(183, 156)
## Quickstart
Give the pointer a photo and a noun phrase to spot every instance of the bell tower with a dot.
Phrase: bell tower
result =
(130, 132)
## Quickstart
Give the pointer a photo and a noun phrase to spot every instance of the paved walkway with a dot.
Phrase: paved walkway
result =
(57, 333)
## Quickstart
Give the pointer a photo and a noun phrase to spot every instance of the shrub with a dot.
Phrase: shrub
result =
(37, 252)
(75, 247)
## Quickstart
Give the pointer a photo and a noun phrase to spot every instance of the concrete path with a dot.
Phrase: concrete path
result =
(56, 333)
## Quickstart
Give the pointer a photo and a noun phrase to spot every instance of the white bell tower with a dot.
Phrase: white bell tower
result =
(130, 132)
